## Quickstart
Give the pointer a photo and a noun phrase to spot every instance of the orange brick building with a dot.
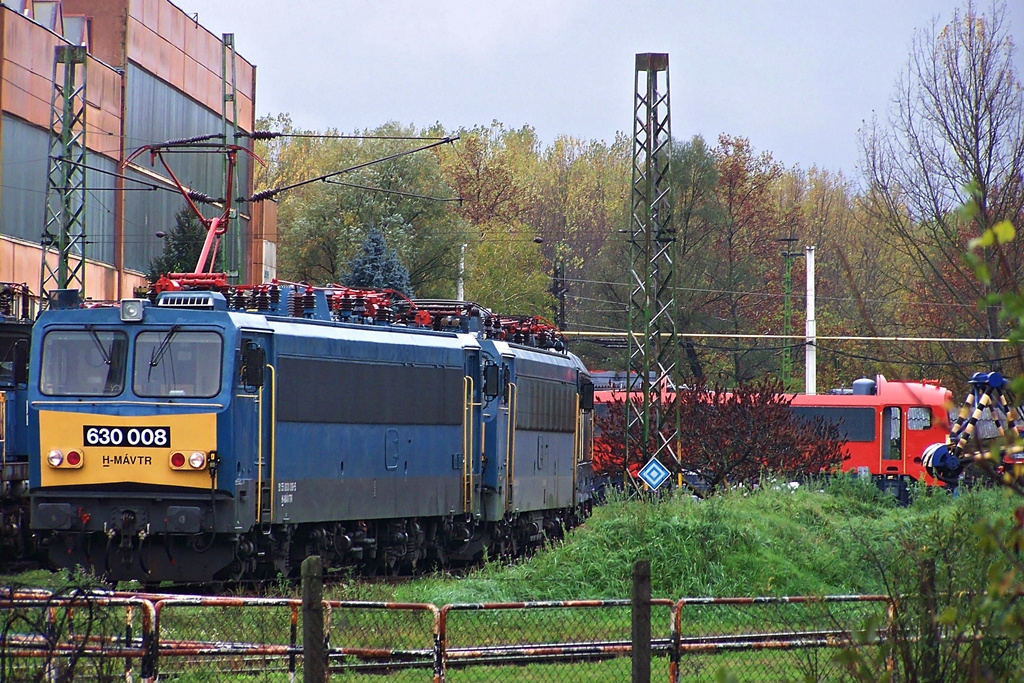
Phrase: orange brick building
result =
(152, 75)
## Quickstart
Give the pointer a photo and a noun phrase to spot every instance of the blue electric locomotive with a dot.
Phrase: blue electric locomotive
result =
(15, 333)
(206, 435)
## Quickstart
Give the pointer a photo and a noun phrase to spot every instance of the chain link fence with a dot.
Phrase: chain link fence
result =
(759, 639)
(213, 638)
(75, 635)
(82, 636)
(548, 641)
(401, 640)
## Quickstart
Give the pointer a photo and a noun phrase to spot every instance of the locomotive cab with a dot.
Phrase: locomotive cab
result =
(133, 399)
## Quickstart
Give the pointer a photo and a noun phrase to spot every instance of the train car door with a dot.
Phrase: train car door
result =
(255, 462)
(892, 441)
(472, 434)
(499, 433)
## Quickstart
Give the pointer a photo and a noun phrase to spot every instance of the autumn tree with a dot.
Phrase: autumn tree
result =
(732, 436)
(737, 436)
(322, 225)
(745, 281)
(580, 191)
(491, 171)
(955, 132)
(858, 291)
(695, 217)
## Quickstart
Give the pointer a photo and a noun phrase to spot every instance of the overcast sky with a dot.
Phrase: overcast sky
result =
(796, 77)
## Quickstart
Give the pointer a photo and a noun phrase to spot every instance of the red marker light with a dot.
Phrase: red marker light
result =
(74, 458)
(177, 460)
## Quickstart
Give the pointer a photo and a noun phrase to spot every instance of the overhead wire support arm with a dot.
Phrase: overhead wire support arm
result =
(216, 226)
(271, 193)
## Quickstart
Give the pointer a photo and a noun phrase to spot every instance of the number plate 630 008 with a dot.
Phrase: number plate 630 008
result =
(152, 437)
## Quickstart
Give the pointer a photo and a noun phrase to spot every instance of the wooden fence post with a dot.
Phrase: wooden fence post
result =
(642, 621)
(314, 655)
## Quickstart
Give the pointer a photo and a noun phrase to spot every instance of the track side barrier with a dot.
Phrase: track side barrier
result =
(383, 638)
(101, 636)
(706, 631)
(256, 637)
(76, 635)
(479, 637)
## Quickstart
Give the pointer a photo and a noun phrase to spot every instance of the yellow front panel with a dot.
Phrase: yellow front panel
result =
(148, 462)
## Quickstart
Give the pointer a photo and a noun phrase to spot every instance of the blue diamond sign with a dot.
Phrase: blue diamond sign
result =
(654, 474)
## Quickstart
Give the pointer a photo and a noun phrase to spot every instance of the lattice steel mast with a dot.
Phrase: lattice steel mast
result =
(64, 224)
(652, 342)
(234, 252)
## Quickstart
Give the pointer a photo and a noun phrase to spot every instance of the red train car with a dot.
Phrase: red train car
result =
(610, 386)
(887, 424)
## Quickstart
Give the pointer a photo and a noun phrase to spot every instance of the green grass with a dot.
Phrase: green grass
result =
(841, 538)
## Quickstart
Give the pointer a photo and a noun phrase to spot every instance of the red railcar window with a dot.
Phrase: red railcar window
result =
(855, 424)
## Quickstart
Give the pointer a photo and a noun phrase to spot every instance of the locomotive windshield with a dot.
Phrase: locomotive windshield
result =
(174, 363)
(83, 363)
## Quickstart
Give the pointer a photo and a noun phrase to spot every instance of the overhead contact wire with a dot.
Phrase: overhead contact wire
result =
(269, 194)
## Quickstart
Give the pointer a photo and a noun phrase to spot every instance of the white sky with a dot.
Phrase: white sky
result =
(796, 77)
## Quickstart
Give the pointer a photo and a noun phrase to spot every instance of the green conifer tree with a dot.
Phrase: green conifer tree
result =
(377, 267)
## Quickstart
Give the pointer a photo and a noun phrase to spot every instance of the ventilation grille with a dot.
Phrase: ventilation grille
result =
(200, 300)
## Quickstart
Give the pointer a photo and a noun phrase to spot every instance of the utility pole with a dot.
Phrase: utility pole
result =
(811, 330)
(64, 222)
(651, 337)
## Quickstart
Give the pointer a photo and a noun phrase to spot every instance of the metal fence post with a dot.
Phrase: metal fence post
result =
(642, 622)
(314, 655)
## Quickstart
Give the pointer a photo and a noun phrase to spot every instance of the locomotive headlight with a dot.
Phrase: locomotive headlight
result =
(55, 458)
(131, 310)
(197, 460)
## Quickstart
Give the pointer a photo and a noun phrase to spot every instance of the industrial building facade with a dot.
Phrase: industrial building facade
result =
(151, 74)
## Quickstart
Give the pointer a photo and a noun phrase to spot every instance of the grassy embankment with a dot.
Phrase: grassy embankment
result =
(845, 539)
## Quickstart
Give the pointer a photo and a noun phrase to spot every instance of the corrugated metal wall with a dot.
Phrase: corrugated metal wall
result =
(22, 205)
(173, 89)
(181, 117)
(99, 208)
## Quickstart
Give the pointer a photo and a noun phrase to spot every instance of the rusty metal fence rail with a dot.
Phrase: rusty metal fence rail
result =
(75, 636)
(105, 637)
(770, 638)
(586, 640)
(399, 639)
(211, 638)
